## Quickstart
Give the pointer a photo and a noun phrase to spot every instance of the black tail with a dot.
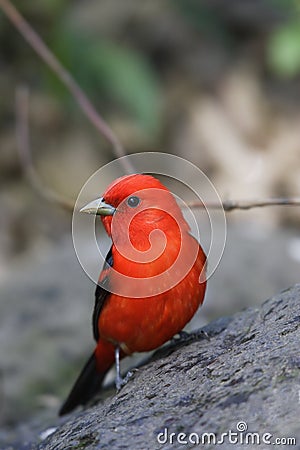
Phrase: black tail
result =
(86, 386)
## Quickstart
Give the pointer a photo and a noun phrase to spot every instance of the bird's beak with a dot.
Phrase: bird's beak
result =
(99, 208)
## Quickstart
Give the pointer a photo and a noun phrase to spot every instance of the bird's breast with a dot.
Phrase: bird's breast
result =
(161, 298)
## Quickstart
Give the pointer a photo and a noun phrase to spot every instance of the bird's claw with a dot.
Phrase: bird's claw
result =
(120, 382)
(204, 334)
(184, 336)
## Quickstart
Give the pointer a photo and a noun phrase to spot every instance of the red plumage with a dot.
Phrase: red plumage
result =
(152, 283)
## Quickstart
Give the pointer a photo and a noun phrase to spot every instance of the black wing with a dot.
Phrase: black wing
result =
(101, 293)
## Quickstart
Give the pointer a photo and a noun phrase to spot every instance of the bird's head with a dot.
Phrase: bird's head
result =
(139, 202)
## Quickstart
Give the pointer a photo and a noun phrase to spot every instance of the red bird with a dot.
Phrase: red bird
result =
(152, 282)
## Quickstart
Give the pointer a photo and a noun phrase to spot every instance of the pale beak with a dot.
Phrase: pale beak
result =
(99, 208)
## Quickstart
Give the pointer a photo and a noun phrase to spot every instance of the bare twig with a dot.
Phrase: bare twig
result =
(22, 100)
(23, 134)
(22, 97)
(230, 205)
(49, 58)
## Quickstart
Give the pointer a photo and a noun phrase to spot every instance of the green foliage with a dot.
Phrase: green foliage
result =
(44, 9)
(203, 18)
(111, 74)
(128, 78)
(48, 8)
(283, 50)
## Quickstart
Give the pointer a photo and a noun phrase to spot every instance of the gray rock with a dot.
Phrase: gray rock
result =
(46, 302)
(246, 375)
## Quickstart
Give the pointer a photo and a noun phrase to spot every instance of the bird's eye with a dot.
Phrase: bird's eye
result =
(133, 201)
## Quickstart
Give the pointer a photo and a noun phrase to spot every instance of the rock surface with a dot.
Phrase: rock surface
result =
(246, 376)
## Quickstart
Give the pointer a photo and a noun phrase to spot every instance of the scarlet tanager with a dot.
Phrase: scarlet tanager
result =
(152, 282)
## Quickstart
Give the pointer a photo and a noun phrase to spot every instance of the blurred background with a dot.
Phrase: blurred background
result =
(214, 81)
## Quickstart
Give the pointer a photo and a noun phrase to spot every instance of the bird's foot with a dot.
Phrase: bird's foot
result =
(120, 382)
(197, 335)
(204, 334)
(184, 336)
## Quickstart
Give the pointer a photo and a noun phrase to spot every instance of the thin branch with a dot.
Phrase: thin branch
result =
(49, 58)
(22, 101)
(230, 205)
(22, 129)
